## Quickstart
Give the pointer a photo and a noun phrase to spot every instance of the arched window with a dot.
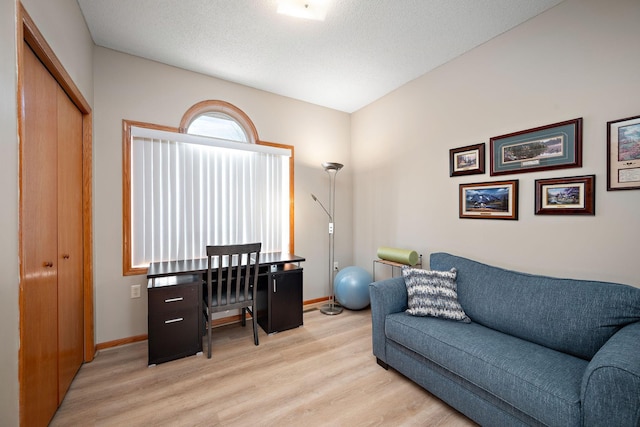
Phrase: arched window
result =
(219, 118)
(210, 182)
(217, 125)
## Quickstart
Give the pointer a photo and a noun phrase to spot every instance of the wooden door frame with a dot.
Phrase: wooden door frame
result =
(29, 33)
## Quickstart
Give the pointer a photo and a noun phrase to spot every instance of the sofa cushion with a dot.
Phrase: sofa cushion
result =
(572, 316)
(532, 378)
(433, 293)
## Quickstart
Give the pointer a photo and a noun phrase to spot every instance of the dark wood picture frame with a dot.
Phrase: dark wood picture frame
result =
(623, 154)
(554, 146)
(467, 160)
(566, 196)
(489, 200)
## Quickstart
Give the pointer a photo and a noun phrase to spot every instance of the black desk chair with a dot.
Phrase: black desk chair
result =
(232, 283)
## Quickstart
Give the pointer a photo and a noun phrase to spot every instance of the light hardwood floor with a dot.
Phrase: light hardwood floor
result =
(320, 374)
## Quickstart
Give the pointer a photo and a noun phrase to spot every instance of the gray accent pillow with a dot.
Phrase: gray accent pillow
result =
(433, 293)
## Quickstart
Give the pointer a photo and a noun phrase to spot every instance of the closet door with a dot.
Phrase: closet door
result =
(52, 310)
(70, 255)
(39, 257)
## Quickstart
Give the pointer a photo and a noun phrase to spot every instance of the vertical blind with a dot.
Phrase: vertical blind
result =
(188, 192)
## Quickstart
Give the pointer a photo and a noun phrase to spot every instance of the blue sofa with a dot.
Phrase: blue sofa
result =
(538, 351)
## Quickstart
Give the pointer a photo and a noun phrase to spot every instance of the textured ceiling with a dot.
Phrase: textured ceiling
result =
(363, 50)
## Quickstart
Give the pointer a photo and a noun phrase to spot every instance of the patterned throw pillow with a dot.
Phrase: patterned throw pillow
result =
(433, 293)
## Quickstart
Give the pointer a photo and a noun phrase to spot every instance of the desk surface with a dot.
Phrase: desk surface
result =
(195, 266)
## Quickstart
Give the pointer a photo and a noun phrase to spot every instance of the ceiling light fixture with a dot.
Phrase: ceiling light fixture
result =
(306, 9)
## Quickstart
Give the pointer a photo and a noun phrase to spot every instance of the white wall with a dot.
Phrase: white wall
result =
(64, 28)
(62, 24)
(579, 59)
(132, 88)
(9, 279)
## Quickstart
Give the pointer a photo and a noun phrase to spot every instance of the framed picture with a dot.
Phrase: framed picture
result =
(623, 154)
(556, 146)
(566, 196)
(489, 200)
(467, 160)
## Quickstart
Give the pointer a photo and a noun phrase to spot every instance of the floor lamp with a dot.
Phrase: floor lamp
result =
(332, 169)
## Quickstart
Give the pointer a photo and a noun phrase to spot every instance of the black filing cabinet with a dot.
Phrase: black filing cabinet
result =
(175, 317)
(280, 298)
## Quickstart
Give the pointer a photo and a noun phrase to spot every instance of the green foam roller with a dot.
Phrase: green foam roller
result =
(401, 256)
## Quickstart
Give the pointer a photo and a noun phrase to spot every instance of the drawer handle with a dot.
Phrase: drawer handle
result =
(173, 299)
(179, 319)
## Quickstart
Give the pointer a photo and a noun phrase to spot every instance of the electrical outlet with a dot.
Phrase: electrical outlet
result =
(135, 291)
(336, 266)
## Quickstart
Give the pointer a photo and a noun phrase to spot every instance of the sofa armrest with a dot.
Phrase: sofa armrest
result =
(387, 296)
(610, 392)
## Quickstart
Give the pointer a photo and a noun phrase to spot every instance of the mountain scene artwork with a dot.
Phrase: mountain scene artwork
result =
(629, 143)
(569, 195)
(487, 199)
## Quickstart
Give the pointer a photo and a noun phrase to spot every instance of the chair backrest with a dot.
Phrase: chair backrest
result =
(232, 275)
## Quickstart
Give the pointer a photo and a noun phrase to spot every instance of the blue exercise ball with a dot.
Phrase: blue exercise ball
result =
(351, 287)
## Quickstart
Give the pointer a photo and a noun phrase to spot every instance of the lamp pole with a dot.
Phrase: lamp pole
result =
(332, 169)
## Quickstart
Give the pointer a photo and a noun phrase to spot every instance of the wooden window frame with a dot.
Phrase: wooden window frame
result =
(191, 114)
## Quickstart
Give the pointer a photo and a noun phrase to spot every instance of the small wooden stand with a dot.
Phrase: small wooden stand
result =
(393, 265)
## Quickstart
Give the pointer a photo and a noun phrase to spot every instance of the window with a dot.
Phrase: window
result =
(217, 125)
(216, 184)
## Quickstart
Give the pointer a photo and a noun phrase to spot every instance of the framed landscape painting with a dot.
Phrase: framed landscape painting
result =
(623, 154)
(467, 160)
(489, 200)
(566, 196)
(555, 146)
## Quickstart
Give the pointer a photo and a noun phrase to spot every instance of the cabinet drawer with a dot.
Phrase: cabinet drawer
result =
(174, 335)
(174, 299)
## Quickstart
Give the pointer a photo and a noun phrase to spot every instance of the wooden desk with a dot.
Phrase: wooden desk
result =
(175, 320)
(199, 266)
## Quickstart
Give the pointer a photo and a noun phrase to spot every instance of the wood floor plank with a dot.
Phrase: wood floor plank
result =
(323, 373)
